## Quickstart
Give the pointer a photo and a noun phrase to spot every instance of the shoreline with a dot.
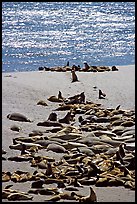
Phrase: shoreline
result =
(22, 90)
(11, 72)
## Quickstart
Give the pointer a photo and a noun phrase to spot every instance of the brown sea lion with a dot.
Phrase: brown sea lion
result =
(42, 102)
(54, 99)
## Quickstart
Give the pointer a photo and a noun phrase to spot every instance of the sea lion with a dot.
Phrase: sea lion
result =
(101, 94)
(20, 158)
(90, 198)
(15, 128)
(18, 117)
(54, 99)
(114, 68)
(66, 119)
(56, 148)
(6, 176)
(46, 192)
(19, 196)
(49, 170)
(28, 145)
(74, 76)
(42, 102)
(38, 184)
(35, 133)
(86, 68)
(45, 143)
(60, 96)
(52, 116)
(49, 124)
(4, 151)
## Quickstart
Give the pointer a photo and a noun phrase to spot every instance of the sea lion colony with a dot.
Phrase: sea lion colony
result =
(95, 145)
(86, 68)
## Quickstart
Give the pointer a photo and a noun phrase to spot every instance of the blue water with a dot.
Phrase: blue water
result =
(49, 34)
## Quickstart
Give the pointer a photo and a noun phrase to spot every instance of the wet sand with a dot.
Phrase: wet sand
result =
(22, 90)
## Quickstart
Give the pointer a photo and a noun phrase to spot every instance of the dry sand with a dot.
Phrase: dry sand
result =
(22, 90)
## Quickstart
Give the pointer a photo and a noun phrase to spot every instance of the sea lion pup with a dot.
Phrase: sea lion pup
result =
(15, 128)
(74, 76)
(52, 117)
(101, 94)
(66, 119)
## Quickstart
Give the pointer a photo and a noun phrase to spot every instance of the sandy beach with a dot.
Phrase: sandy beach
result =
(22, 90)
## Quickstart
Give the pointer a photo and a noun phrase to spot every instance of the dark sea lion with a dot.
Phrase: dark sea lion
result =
(75, 68)
(18, 117)
(74, 76)
(114, 68)
(86, 68)
(38, 184)
(117, 108)
(128, 123)
(20, 158)
(19, 196)
(52, 116)
(60, 96)
(41, 68)
(66, 119)
(49, 124)
(46, 192)
(101, 94)
(3, 151)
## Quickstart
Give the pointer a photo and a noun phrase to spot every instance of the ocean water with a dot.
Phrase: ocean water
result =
(49, 34)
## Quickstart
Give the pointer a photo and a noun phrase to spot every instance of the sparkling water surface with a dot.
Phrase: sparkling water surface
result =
(49, 34)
